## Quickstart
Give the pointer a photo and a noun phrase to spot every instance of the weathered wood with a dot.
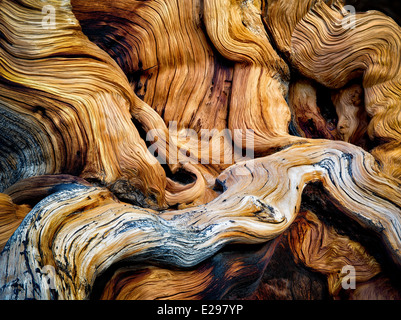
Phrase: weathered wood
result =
(365, 49)
(161, 150)
(89, 230)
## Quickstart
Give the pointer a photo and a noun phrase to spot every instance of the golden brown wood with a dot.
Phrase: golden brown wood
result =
(191, 149)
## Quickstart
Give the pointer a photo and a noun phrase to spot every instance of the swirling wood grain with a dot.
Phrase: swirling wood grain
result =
(90, 230)
(76, 88)
(97, 113)
(323, 249)
(333, 49)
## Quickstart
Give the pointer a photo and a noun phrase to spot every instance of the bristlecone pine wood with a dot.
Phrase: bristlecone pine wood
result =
(96, 102)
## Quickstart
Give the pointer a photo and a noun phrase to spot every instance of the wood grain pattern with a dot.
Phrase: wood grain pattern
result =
(365, 50)
(255, 207)
(199, 149)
